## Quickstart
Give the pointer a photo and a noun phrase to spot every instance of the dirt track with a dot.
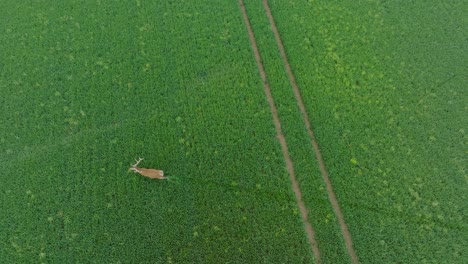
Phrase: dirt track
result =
(331, 195)
(281, 138)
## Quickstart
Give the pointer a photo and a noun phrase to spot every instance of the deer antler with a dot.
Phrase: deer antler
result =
(137, 161)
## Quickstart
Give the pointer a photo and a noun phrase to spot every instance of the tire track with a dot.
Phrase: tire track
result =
(318, 155)
(279, 133)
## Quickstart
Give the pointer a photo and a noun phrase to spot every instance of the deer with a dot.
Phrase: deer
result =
(150, 173)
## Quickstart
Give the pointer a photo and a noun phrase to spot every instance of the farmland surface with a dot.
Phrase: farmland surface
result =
(88, 87)
(385, 86)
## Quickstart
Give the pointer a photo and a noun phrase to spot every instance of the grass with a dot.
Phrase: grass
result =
(88, 87)
(382, 82)
(321, 215)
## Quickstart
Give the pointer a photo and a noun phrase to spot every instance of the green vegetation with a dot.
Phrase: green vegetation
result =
(88, 87)
(321, 215)
(383, 83)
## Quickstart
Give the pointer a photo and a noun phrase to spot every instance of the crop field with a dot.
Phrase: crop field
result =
(289, 131)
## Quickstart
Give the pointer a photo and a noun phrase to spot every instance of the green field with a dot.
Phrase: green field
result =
(87, 87)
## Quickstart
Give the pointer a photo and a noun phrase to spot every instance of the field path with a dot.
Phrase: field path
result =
(313, 140)
(295, 185)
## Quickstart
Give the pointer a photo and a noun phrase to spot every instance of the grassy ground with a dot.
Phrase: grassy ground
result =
(322, 218)
(88, 87)
(384, 84)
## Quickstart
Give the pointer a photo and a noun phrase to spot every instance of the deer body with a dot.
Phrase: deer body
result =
(150, 173)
